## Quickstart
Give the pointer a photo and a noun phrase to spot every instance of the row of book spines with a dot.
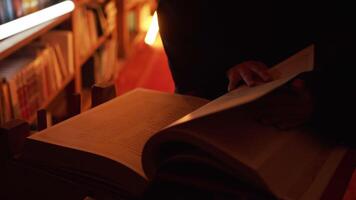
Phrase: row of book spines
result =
(12, 9)
(29, 89)
(92, 23)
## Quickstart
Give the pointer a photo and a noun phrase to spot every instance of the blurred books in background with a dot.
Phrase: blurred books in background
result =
(94, 21)
(32, 76)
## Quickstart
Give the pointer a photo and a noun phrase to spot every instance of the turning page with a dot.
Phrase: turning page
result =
(301, 62)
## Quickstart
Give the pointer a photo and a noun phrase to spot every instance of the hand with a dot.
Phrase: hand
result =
(251, 72)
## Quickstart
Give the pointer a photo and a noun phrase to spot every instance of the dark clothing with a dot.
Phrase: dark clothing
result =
(333, 86)
(203, 39)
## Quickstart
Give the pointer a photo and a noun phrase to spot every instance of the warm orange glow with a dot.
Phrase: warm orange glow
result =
(145, 18)
(152, 31)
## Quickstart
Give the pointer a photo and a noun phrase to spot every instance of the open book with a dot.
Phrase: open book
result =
(146, 135)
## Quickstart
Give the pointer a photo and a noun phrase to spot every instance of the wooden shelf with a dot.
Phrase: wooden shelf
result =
(51, 98)
(11, 44)
(90, 53)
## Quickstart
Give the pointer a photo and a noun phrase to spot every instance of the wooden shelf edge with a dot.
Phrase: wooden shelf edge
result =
(51, 98)
(11, 44)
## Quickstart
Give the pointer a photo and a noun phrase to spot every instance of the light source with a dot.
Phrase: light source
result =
(152, 31)
(36, 18)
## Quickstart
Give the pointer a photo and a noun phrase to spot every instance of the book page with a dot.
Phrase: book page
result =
(118, 129)
(292, 164)
(301, 62)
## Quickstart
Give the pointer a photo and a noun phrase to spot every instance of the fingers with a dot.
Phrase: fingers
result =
(261, 70)
(247, 76)
(251, 72)
(234, 79)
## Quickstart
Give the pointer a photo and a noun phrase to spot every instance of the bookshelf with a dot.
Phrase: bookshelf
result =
(97, 25)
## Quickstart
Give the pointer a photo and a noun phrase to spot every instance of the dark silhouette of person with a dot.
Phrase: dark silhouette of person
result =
(214, 46)
(211, 46)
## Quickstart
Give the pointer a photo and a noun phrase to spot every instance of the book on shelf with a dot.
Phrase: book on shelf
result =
(63, 42)
(5, 104)
(145, 137)
(110, 13)
(61, 62)
(8, 10)
(2, 12)
(11, 81)
(105, 68)
(101, 19)
(30, 77)
(93, 22)
(18, 8)
(81, 32)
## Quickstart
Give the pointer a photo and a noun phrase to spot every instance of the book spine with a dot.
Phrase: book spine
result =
(2, 12)
(9, 10)
(18, 8)
(14, 97)
(70, 52)
(26, 6)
